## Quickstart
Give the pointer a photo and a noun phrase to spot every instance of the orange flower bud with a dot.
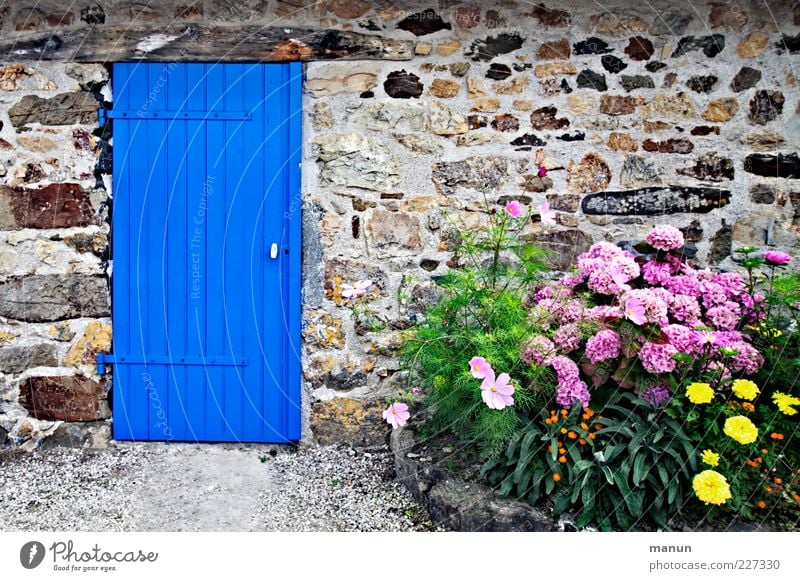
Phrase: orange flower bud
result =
(764, 451)
(761, 504)
(582, 442)
(556, 477)
(598, 426)
(584, 427)
(768, 489)
(564, 413)
(563, 430)
(592, 436)
(778, 481)
(572, 435)
(562, 459)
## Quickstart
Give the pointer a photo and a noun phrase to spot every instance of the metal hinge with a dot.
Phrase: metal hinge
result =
(103, 359)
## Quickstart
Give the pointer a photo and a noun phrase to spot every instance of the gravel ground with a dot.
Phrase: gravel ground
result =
(194, 487)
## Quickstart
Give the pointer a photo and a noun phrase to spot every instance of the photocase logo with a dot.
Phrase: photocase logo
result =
(31, 554)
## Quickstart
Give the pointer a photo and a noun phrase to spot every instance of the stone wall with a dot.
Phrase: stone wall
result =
(54, 250)
(639, 115)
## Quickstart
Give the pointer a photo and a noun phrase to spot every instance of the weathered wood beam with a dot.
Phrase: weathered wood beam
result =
(202, 43)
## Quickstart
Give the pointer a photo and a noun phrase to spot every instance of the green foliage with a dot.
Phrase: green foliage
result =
(481, 313)
(631, 464)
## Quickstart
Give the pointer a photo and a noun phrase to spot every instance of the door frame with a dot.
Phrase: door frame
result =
(290, 244)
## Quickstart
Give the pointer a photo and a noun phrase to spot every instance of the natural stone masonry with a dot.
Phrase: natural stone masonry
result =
(685, 117)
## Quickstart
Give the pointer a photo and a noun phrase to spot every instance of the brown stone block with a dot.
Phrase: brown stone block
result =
(349, 421)
(70, 399)
(53, 206)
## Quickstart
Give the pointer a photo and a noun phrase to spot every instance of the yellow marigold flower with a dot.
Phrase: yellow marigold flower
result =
(784, 401)
(711, 487)
(699, 393)
(741, 429)
(710, 458)
(745, 389)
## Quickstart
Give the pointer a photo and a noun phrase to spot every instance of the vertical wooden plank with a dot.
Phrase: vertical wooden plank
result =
(178, 265)
(236, 187)
(293, 292)
(252, 255)
(272, 327)
(216, 337)
(155, 229)
(122, 316)
(139, 376)
(199, 190)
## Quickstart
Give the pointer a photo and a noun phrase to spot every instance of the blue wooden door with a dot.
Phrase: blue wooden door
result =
(206, 249)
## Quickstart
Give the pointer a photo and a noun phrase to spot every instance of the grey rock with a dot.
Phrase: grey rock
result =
(355, 160)
(476, 173)
(637, 171)
(64, 109)
(746, 78)
(455, 504)
(19, 358)
(632, 82)
(40, 298)
(670, 23)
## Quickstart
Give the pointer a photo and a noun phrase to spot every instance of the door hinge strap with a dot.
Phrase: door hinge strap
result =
(104, 359)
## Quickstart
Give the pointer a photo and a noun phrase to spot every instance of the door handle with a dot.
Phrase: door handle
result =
(273, 251)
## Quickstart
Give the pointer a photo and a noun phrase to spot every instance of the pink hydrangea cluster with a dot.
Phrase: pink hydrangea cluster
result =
(657, 357)
(665, 238)
(570, 388)
(567, 337)
(656, 307)
(605, 345)
(539, 350)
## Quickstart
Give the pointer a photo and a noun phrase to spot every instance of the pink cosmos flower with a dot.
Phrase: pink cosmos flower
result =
(356, 290)
(542, 171)
(514, 209)
(397, 415)
(480, 368)
(548, 215)
(777, 258)
(415, 390)
(665, 238)
(634, 311)
(620, 278)
(497, 393)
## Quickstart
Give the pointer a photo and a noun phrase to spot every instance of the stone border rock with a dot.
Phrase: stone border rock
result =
(458, 505)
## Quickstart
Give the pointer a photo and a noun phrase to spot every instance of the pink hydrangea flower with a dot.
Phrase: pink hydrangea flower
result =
(657, 357)
(684, 308)
(682, 338)
(777, 258)
(570, 391)
(479, 367)
(665, 238)
(722, 318)
(634, 311)
(497, 393)
(656, 272)
(356, 290)
(539, 350)
(514, 209)
(747, 358)
(548, 215)
(605, 345)
(684, 284)
(397, 415)
(603, 313)
(567, 337)
(732, 283)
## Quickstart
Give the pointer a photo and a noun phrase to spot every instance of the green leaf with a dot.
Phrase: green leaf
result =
(507, 485)
(672, 492)
(581, 465)
(608, 474)
(588, 497)
(561, 504)
(639, 469)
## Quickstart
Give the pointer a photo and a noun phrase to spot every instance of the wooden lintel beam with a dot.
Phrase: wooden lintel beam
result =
(202, 43)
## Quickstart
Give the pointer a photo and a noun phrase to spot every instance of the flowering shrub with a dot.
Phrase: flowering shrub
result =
(640, 382)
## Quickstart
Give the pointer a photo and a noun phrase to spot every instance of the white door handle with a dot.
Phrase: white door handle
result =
(273, 251)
